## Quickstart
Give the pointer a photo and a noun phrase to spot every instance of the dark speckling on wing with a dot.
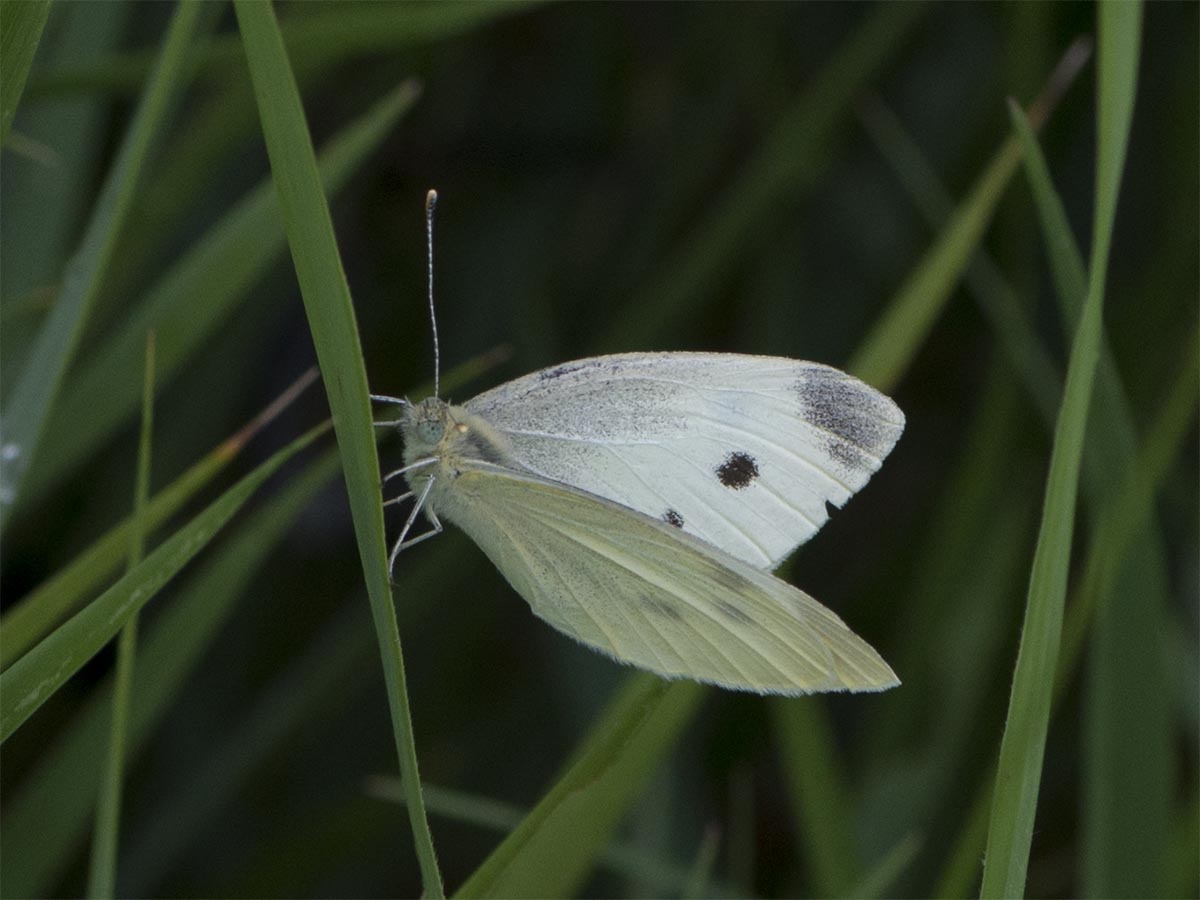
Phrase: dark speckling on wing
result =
(852, 414)
(672, 517)
(560, 371)
(731, 612)
(849, 455)
(661, 607)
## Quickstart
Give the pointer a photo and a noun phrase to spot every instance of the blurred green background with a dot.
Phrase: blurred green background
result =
(752, 178)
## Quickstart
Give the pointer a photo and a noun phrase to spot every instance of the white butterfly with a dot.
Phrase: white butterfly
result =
(639, 501)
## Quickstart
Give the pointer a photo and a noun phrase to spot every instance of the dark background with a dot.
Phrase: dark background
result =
(578, 150)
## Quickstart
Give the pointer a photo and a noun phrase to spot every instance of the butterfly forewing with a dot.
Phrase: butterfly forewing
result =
(647, 594)
(742, 452)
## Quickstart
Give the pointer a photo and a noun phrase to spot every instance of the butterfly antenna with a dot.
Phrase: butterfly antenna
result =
(430, 203)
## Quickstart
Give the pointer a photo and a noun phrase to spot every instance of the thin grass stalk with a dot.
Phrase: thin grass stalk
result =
(102, 871)
(335, 335)
(37, 675)
(37, 387)
(1125, 516)
(21, 26)
(1018, 776)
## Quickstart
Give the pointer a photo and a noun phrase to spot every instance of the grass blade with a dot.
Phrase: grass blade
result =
(888, 365)
(1018, 776)
(102, 874)
(206, 143)
(21, 27)
(1127, 514)
(320, 38)
(1128, 754)
(908, 318)
(881, 359)
(1123, 518)
(191, 301)
(878, 880)
(42, 207)
(335, 334)
(46, 818)
(788, 157)
(66, 591)
(37, 387)
(550, 853)
(819, 793)
(495, 815)
(995, 297)
(45, 668)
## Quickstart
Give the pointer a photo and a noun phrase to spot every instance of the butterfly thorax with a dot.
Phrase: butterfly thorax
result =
(452, 436)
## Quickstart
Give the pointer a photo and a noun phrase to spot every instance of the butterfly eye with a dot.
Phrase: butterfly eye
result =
(430, 432)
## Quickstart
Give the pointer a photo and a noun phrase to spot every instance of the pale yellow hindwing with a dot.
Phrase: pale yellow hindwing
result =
(652, 596)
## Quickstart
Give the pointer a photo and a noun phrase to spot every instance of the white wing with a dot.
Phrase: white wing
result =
(740, 451)
(645, 593)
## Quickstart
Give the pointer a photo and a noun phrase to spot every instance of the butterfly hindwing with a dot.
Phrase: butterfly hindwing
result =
(742, 452)
(650, 595)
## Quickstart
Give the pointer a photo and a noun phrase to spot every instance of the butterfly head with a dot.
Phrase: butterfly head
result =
(424, 425)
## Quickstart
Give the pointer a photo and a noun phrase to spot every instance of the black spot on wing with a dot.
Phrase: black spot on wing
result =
(851, 412)
(738, 470)
(671, 517)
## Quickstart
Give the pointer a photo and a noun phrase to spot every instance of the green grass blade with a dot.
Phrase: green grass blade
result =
(320, 38)
(45, 668)
(551, 851)
(877, 881)
(996, 298)
(819, 793)
(1127, 514)
(788, 159)
(1018, 776)
(1129, 511)
(192, 300)
(335, 334)
(37, 387)
(102, 872)
(46, 817)
(1127, 796)
(21, 27)
(618, 857)
(908, 318)
(960, 874)
(1183, 863)
(881, 359)
(899, 332)
(43, 206)
(40, 611)
(699, 881)
(1066, 263)
(226, 119)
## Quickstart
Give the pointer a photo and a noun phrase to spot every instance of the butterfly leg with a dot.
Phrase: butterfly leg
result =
(429, 460)
(405, 496)
(401, 543)
(383, 398)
